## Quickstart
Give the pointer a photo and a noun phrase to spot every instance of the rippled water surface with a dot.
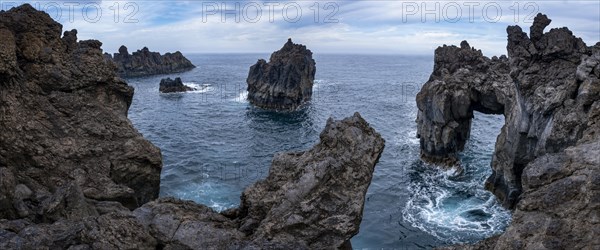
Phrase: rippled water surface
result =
(214, 144)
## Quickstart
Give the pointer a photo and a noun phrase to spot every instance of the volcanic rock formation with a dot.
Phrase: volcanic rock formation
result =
(546, 164)
(285, 82)
(310, 200)
(146, 63)
(169, 85)
(75, 174)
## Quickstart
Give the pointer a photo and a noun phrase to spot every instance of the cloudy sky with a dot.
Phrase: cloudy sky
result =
(362, 27)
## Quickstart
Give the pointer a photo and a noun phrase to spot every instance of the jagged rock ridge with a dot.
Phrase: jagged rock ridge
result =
(145, 62)
(546, 163)
(72, 168)
(285, 82)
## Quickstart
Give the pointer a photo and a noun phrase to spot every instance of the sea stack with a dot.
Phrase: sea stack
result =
(169, 85)
(285, 82)
(546, 163)
(145, 62)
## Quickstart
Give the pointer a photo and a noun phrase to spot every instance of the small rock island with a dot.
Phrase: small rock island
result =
(169, 85)
(285, 82)
(146, 63)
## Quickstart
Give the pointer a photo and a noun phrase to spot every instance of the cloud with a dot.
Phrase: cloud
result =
(372, 27)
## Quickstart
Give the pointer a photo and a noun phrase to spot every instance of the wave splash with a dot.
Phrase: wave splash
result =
(453, 206)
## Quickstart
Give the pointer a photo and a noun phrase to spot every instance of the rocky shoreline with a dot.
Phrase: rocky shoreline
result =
(285, 82)
(146, 63)
(546, 164)
(75, 174)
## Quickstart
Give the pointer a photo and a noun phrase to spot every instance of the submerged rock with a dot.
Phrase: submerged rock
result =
(169, 85)
(285, 82)
(145, 62)
(546, 163)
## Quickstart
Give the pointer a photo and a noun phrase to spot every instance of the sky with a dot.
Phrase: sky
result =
(349, 27)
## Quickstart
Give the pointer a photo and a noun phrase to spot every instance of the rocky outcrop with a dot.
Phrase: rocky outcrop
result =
(310, 200)
(285, 82)
(66, 145)
(546, 163)
(315, 198)
(169, 85)
(146, 63)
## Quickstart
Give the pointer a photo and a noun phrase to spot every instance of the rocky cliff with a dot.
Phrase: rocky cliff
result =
(546, 163)
(145, 63)
(285, 82)
(75, 174)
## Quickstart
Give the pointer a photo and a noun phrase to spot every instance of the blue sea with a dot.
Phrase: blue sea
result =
(214, 144)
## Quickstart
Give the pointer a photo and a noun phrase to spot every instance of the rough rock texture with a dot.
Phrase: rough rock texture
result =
(315, 196)
(285, 82)
(68, 153)
(169, 85)
(65, 133)
(546, 164)
(146, 63)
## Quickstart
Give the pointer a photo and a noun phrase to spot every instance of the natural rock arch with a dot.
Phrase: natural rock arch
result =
(536, 89)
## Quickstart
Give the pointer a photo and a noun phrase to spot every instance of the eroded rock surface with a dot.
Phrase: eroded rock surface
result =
(285, 82)
(169, 85)
(65, 133)
(145, 62)
(315, 198)
(546, 163)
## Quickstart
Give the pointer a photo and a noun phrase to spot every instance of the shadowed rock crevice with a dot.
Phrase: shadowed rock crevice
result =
(546, 160)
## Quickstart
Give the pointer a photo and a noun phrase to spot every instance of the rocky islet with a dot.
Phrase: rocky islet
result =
(146, 63)
(285, 82)
(168, 85)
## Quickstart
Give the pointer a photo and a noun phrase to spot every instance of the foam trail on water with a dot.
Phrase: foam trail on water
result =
(242, 97)
(200, 88)
(452, 207)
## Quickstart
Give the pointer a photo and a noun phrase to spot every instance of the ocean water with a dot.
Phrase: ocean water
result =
(214, 144)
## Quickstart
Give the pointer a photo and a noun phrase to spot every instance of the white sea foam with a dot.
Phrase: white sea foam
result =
(412, 137)
(200, 88)
(438, 206)
(242, 97)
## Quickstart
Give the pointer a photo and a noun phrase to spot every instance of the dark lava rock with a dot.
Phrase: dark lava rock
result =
(145, 63)
(315, 198)
(546, 163)
(285, 82)
(65, 133)
(169, 85)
